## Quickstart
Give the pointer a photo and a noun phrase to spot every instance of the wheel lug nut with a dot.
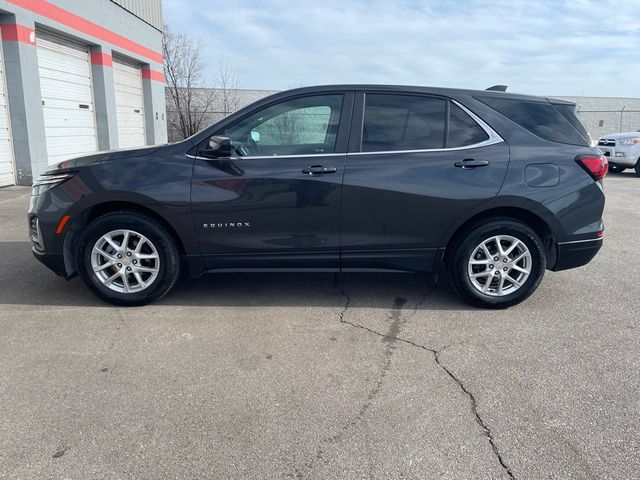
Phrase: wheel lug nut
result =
(506, 260)
(495, 258)
(497, 272)
(128, 269)
(135, 262)
(129, 254)
(119, 265)
(505, 269)
(491, 267)
(119, 256)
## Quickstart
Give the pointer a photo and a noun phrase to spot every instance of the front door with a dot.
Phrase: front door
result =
(417, 165)
(275, 202)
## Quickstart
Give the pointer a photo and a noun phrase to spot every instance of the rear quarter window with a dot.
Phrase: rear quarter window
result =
(540, 118)
(569, 112)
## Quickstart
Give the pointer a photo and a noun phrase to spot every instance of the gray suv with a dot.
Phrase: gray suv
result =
(491, 188)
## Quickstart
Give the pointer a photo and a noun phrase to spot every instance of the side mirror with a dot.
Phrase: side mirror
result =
(218, 147)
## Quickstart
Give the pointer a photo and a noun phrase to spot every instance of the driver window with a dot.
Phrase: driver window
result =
(301, 126)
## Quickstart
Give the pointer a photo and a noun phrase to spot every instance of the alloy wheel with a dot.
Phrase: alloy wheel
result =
(499, 265)
(125, 261)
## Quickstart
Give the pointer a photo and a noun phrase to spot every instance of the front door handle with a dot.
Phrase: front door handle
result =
(319, 170)
(471, 163)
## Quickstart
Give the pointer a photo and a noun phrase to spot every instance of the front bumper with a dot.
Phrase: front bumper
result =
(614, 157)
(576, 254)
(47, 245)
(54, 261)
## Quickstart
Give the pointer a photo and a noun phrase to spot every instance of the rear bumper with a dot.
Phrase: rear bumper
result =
(576, 254)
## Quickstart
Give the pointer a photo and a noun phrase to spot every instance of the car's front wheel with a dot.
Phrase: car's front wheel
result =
(128, 258)
(498, 263)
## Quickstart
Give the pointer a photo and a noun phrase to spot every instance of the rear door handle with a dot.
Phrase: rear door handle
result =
(471, 163)
(319, 170)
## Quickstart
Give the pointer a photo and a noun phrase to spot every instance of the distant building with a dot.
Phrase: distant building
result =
(605, 115)
(600, 115)
(77, 76)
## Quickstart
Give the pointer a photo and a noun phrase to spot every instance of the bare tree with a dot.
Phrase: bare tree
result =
(287, 128)
(183, 71)
(228, 83)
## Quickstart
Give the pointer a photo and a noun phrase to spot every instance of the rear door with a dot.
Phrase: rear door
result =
(275, 203)
(416, 164)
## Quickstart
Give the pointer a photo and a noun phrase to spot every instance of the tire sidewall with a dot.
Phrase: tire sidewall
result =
(468, 244)
(169, 262)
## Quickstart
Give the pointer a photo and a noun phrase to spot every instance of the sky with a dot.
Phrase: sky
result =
(577, 47)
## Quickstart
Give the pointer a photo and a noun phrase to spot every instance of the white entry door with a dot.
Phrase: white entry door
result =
(7, 166)
(127, 78)
(67, 99)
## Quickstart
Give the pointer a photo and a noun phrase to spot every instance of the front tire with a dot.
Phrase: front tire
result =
(128, 258)
(498, 263)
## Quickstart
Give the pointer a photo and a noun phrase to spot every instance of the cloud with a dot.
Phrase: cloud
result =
(581, 47)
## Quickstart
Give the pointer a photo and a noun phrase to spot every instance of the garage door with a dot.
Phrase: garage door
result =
(127, 79)
(67, 99)
(7, 174)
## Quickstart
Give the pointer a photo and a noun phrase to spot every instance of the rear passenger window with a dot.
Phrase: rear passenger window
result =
(540, 118)
(402, 122)
(463, 130)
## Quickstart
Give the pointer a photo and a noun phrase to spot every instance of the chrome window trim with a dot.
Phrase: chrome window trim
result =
(493, 139)
(258, 157)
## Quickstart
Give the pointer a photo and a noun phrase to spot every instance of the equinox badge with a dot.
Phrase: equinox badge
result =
(227, 225)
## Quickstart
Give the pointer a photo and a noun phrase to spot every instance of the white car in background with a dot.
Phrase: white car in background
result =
(622, 151)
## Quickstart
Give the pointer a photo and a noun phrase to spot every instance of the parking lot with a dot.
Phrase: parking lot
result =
(322, 376)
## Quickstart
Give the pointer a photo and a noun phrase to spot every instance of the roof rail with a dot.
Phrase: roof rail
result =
(498, 88)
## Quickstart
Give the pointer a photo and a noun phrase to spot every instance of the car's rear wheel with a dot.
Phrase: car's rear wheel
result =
(498, 263)
(616, 168)
(637, 168)
(128, 258)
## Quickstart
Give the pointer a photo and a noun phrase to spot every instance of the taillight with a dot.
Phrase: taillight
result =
(595, 165)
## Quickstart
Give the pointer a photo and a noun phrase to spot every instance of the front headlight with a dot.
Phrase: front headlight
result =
(629, 141)
(47, 181)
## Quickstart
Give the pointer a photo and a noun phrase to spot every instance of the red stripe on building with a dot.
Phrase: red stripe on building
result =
(60, 15)
(149, 74)
(100, 58)
(12, 32)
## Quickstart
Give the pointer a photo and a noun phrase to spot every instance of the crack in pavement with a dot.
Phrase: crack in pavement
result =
(396, 319)
(436, 356)
(104, 355)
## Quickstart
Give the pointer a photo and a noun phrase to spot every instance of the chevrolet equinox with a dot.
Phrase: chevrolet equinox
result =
(490, 187)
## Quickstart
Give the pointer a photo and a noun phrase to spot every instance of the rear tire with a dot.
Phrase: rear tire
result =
(482, 280)
(637, 168)
(616, 169)
(128, 258)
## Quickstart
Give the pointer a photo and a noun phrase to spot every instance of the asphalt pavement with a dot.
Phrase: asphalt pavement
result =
(321, 376)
